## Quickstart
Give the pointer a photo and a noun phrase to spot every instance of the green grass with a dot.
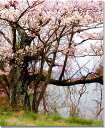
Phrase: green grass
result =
(3, 121)
(54, 117)
(74, 121)
(30, 114)
(45, 123)
(27, 118)
(80, 121)
(9, 113)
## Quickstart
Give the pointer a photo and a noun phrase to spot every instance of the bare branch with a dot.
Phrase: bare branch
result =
(6, 38)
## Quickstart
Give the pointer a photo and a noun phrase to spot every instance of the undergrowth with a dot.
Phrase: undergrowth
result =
(27, 118)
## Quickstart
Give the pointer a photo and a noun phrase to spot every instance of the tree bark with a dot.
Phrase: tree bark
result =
(18, 91)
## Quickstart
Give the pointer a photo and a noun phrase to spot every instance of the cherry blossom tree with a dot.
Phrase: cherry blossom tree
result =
(38, 43)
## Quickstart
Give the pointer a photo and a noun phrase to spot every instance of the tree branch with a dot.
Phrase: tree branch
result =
(75, 81)
(6, 38)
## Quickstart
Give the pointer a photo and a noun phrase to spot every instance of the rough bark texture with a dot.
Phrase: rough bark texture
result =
(18, 91)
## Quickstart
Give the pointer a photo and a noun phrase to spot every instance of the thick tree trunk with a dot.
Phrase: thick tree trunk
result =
(18, 91)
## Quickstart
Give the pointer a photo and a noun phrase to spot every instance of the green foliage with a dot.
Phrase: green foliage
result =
(14, 124)
(98, 123)
(1, 112)
(80, 121)
(27, 118)
(3, 121)
(9, 113)
(45, 123)
(54, 117)
(31, 114)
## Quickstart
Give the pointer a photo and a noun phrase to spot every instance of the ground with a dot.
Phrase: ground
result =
(27, 118)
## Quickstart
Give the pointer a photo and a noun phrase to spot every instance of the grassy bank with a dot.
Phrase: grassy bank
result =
(26, 118)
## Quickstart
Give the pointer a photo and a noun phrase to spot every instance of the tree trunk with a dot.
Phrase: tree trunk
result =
(39, 91)
(18, 90)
